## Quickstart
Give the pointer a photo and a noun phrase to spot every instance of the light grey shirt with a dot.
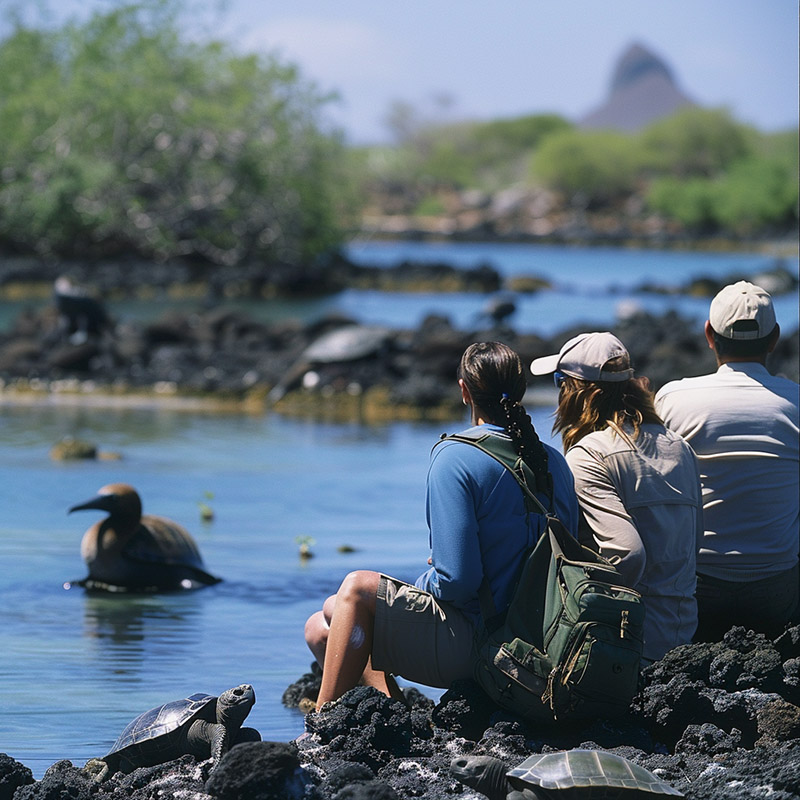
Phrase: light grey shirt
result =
(641, 508)
(742, 423)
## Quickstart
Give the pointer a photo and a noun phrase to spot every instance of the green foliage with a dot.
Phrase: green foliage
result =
(755, 194)
(689, 201)
(430, 206)
(697, 167)
(720, 175)
(485, 155)
(506, 137)
(589, 167)
(117, 135)
(694, 142)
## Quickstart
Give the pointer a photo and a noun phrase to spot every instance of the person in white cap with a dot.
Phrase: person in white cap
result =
(637, 483)
(743, 424)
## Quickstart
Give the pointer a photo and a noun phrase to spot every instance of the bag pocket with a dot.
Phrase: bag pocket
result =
(616, 606)
(599, 674)
(514, 675)
(523, 662)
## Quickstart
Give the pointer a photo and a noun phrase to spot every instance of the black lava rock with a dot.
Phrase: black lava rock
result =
(259, 771)
(12, 776)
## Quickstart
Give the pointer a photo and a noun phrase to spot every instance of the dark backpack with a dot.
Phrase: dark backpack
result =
(570, 642)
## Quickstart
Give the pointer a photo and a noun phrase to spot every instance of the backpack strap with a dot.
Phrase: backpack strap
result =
(501, 449)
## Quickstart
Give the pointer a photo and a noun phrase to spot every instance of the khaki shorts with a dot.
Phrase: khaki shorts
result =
(419, 638)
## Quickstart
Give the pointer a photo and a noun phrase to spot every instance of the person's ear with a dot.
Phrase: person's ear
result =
(709, 331)
(466, 397)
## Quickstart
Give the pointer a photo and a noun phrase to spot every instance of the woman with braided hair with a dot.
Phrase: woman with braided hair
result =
(638, 483)
(376, 626)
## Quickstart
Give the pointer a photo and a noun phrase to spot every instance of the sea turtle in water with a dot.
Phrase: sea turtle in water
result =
(347, 343)
(202, 725)
(568, 774)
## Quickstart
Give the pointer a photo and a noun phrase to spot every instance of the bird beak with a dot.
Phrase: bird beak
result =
(102, 502)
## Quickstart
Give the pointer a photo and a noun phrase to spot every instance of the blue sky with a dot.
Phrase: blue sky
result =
(481, 59)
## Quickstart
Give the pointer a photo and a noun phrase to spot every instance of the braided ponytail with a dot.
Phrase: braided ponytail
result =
(495, 378)
(526, 442)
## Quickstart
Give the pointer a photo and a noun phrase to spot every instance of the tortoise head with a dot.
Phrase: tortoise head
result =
(482, 773)
(233, 705)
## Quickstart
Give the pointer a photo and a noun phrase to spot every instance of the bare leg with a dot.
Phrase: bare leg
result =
(318, 628)
(349, 641)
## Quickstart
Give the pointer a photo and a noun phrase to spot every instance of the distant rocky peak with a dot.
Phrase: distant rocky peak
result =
(636, 63)
(643, 90)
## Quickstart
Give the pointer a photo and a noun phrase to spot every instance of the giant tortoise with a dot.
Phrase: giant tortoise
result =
(201, 725)
(566, 775)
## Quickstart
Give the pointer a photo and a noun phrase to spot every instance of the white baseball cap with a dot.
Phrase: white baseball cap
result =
(742, 311)
(585, 357)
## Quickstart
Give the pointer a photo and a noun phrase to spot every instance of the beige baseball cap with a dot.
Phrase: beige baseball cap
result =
(585, 357)
(742, 310)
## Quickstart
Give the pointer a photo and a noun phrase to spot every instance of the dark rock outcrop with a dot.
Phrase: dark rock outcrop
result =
(642, 90)
(217, 352)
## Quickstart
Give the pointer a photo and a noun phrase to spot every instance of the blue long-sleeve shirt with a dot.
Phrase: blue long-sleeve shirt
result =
(478, 524)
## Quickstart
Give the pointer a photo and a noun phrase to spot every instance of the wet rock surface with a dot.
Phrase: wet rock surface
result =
(220, 352)
(716, 720)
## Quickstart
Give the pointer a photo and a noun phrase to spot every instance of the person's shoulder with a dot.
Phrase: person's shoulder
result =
(595, 441)
(686, 384)
(597, 447)
(447, 449)
(555, 457)
(784, 385)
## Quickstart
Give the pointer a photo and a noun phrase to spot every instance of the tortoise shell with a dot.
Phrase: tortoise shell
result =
(161, 721)
(596, 773)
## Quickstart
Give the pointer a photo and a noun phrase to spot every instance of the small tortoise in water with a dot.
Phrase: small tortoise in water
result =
(202, 725)
(578, 774)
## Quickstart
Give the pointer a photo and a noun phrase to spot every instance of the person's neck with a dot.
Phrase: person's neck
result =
(476, 417)
(742, 360)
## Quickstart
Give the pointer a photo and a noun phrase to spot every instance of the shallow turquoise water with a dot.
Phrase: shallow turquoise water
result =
(74, 669)
(591, 287)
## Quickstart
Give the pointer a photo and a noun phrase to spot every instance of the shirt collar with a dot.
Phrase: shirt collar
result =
(752, 368)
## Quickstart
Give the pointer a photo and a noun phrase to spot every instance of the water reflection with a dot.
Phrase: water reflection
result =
(127, 634)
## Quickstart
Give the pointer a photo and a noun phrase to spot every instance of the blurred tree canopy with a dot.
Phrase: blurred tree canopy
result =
(698, 167)
(120, 136)
(482, 155)
(117, 136)
(589, 167)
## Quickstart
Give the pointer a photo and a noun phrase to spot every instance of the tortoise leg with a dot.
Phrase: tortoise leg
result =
(202, 738)
(97, 768)
(246, 735)
(220, 742)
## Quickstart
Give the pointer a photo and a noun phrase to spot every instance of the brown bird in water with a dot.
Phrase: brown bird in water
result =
(128, 551)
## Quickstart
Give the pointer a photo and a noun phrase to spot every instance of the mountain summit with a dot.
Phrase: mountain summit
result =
(643, 89)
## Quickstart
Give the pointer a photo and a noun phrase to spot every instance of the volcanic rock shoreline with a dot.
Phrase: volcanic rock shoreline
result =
(715, 720)
(220, 358)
